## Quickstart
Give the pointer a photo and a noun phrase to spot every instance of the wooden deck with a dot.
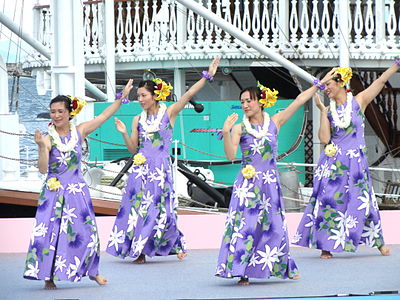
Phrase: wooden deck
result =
(106, 207)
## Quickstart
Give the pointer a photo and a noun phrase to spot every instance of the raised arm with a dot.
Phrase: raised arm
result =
(44, 147)
(283, 116)
(231, 137)
(365, 97)
(88, 127)
(174, 109)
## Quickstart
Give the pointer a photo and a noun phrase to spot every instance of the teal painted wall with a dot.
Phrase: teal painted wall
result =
(212, 117)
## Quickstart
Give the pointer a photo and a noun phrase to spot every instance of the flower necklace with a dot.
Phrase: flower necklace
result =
(345, 122)
(155, 125)
(252, 131)
(57, 140)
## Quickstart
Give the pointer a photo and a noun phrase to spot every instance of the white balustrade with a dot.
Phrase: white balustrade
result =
(302, 29)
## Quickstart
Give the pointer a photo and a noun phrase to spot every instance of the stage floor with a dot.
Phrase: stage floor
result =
(360, 273)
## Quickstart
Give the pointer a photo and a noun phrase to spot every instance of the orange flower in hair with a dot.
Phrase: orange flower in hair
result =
(343, 75)
(268, 96)
(163, 89)
(76, 105)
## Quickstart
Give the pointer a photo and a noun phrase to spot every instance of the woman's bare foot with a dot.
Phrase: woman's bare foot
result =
(49, 285)
(385, 251)
(243, 281)
(140, 260)
(100, 279)
(326, 254)
(295, 277)
(181, 255)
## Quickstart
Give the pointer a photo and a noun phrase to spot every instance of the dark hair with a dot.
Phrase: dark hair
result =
(149, 85)
(255, 92)
(64, 99)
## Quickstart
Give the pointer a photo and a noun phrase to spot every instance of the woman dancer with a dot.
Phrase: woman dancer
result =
(255, 242)
(343, 211)
(64, 242)
(146, 223)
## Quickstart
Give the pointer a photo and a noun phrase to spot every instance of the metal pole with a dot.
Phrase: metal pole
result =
(244, 37)
(109, 47)
(344, 34)
(6, 21)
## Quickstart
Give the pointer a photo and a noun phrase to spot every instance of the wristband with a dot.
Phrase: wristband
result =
(124, 100)
(397, 60)
(319, 84)
(207, 76)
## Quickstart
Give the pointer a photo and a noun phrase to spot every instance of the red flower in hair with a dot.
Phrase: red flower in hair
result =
(74, 104)
(159, 86)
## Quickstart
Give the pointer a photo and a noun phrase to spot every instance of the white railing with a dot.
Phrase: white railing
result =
(297, 29)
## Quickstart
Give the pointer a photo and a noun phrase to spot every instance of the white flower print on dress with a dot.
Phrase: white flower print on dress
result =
(33, 270)
(257, 146)
(159, 176)
(64, 158)
(117, 237)
(253, 260)
(138, 245)
(268, 257)
(353, 153)
(244, 192)
(269, 176)
(339, 237)
(73, 268)
(365, 203)
(59, 263)
(230, 218)
(297, 237)
(94, 243)
(75, 188)
(133, 217)
(372, 232)
(39, 230)
(322, 171)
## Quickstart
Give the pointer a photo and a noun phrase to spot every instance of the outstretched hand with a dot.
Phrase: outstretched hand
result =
(212, 69)
(120, 126)
(128, 87)
(229, 122)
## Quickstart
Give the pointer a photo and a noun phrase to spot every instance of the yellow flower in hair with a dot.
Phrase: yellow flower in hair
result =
(76, 105)
(163, 89)
(248, 171)
(330, 150)
(53, 184)
(268, 96)
(139, 159)
(343, 74)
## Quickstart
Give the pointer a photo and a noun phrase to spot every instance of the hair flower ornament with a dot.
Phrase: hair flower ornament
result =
(53, 184)
(268, 96)
(248, 171)
(139, 159)
(76, 105)
(343, 75)
(162, 89)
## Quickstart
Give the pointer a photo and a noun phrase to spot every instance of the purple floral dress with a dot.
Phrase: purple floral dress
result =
(146, 222)
(255, 243)
(64, 242)
(343, 211)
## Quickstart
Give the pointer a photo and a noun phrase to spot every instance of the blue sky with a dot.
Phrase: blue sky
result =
(21, 12)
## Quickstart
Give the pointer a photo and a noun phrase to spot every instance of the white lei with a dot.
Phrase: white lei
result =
(154, 126)
(345, 122)
(57, 140)
(252, 131)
